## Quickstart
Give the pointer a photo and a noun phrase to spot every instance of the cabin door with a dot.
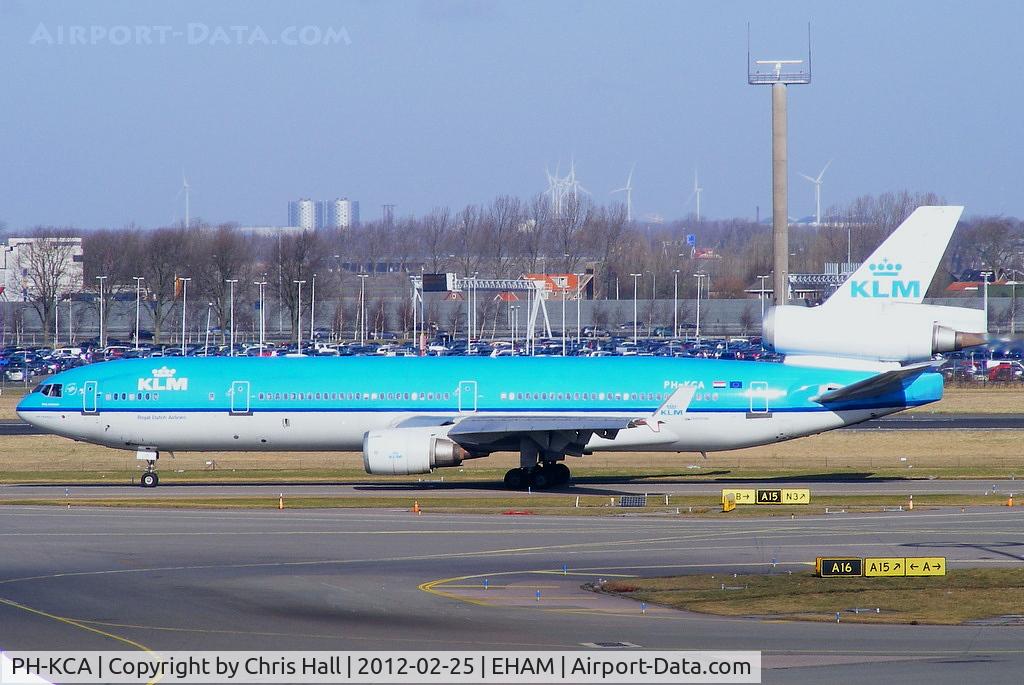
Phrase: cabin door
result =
(467, 397)
(90, 394)
(240, 398)
(759, 398)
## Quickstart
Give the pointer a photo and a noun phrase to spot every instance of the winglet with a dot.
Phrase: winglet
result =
(676, 405)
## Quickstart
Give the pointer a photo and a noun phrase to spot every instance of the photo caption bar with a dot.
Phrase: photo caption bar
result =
(382, 667)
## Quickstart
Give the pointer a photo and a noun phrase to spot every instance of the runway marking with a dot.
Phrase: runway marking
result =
(326, 562)
(79, 624)
(318, 636)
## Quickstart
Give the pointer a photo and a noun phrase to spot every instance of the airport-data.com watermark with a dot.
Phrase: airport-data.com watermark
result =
(192, 33)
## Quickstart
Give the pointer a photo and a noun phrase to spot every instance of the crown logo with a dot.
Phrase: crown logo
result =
(886, 268)
(164, 372)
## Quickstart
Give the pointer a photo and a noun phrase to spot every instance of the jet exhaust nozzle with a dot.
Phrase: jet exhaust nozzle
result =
(945, 339)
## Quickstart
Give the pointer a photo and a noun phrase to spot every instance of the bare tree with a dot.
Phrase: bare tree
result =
(164, 257)
(437, 238)
(49, 269)
(297, 257)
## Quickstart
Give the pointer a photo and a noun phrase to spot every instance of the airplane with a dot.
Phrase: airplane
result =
(412, 415)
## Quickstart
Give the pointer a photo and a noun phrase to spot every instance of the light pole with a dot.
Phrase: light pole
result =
(206, 342)
(763, 279)
(636, 333)
(986, 275)
(563, 321)
(700, 277)
(675, 302)
(184, 309)
(579, 296)
(231, 319)
(1013, 307)
(263, 331)
(412, 285)
(56, 322)
(362, 307)
(421, 344)
(312, 310)
(138, 306)
(101, 279)
(512, 309)
(298, 319)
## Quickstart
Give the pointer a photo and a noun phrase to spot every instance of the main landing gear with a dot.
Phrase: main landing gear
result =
(542, 476)
(149, 478)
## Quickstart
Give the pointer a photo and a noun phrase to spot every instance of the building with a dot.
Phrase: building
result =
(810, 288)
(338, 213)
(302, 214)
(31, 267)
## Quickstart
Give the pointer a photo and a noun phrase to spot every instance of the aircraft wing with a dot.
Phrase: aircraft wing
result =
(570, 433)
(883, 383)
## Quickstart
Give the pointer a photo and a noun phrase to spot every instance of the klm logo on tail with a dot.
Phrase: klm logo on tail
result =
(885, 283)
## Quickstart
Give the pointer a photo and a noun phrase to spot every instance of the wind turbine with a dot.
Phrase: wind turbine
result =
(697, 190)
(817, 192)
(628, 189)
(184, 189)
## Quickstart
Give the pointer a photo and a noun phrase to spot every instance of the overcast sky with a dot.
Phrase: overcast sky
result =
(448, 102)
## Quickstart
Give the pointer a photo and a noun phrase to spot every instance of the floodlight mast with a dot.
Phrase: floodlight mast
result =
(778, 78)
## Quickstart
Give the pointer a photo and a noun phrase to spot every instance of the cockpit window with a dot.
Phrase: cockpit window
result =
(51, 389)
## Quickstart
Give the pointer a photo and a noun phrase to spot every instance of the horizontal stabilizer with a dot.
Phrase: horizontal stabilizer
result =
(882, 384)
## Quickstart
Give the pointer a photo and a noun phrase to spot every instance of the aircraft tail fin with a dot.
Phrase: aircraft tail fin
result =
(902, 267)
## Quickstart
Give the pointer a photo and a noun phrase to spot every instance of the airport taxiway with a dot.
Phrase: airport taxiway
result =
(88, 578)
(436, 486)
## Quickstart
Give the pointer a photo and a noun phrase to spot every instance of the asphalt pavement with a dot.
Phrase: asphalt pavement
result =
(83, 578)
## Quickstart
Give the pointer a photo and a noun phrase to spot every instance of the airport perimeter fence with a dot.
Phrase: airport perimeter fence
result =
(337, 319)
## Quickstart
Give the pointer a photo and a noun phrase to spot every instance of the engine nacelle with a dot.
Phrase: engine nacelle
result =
(896, 332)
(405, 451)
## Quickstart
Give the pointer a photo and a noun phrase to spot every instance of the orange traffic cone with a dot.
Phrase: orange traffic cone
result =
(1009, 500)
(910, 504)
(416, 507)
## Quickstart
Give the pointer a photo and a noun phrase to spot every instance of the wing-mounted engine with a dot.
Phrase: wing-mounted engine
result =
(405, 451)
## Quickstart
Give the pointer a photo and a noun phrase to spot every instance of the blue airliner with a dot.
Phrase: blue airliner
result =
(412, 415)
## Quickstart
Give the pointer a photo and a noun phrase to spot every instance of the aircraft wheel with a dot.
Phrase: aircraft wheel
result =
(561, 473)
(515, 479)
(149, 479)
(542, 478)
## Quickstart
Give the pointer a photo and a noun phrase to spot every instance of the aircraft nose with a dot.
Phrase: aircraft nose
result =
(24, 410)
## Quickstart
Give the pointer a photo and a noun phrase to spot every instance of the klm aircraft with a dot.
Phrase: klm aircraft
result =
(412, 415)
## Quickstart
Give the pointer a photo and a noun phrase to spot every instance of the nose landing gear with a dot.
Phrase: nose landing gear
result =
(149, 478)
